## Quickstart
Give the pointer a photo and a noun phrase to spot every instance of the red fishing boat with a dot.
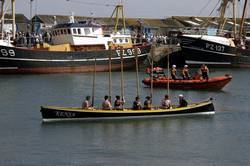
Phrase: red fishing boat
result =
(213, 83)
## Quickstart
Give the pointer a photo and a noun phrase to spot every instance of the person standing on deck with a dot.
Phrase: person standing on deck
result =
(185, 73)
(173, 72)
(204, 71)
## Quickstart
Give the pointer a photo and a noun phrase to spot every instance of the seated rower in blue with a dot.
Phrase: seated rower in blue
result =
(118, 104)
(137, 103)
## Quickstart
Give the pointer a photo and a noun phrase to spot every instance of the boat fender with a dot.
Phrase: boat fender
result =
(211, 99)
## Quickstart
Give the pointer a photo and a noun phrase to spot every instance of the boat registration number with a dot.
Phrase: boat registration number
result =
(128, 52)
(215, 47)
(5, 52)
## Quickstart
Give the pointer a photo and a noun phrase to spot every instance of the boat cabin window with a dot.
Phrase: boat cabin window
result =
(79, 31)
(120, 40)
(87, 31)
(114, 40)
(61, 31)
(74, 31)
(69, 32)
(126, 40)
(58, 32)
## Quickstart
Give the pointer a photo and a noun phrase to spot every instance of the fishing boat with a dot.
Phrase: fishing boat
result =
(217, 50)
(213, 50)
(74, 47)
(213, 83)
(54, 113)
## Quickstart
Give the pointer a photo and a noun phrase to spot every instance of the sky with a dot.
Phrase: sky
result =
(132, 8)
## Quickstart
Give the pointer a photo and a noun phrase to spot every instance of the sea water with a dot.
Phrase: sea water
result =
(221, 139)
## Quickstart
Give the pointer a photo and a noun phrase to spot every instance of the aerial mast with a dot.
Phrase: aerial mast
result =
(222, 20)
(243, 18)
(119, 9)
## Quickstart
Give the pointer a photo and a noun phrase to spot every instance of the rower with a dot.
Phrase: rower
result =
(118, 103)
(204, 71)
(166, 102)
(86, 103)
(185, 73)
(137, 103)
(147, 103)
(182, 101)
(106, 105)
(174, 72)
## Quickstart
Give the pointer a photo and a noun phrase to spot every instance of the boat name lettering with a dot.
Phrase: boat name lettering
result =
(9, 52)
(128, 52)
(65, 114)
(215, 47)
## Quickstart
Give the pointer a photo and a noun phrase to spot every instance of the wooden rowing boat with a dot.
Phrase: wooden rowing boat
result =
(213, 83)
(54, 113)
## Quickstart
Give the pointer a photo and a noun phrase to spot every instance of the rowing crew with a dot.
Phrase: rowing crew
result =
(147, 105)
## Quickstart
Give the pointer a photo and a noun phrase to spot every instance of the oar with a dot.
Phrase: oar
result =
(168, 64)
(152, 68)
(93, 84)
(110, 76)
(122, 79)
(137, 72)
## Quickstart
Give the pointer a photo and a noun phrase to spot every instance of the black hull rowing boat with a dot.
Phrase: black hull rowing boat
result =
(53, 113)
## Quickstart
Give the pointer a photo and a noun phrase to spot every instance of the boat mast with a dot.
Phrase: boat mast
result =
(242, 19)
(222, 19)
(119, 8)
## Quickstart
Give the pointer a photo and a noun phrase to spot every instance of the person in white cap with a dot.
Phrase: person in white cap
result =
(185, 73)
(182, 101)
(174, 72)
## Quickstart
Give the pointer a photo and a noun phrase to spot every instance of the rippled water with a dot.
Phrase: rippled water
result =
(222, 139)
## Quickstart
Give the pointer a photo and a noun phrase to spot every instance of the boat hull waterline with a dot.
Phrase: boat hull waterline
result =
(53, 113)
(213, 83)
(25, 60)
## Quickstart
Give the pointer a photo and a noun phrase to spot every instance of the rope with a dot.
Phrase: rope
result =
(203, 8)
